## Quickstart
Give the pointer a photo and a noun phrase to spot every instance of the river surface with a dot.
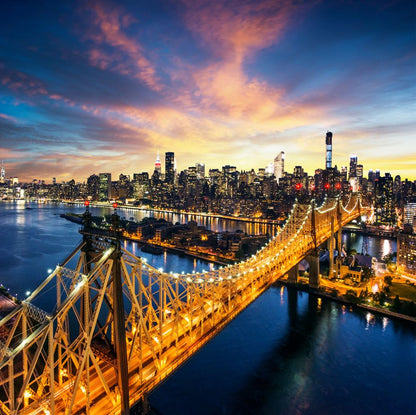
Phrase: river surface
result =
(287, 353)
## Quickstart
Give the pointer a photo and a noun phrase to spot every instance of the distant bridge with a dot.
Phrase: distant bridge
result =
(120, 326)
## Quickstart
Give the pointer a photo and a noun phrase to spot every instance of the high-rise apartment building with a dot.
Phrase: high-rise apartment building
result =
(360, 171)
(328, 143)
(409, 213)
(169, 167)
(105, 186)
(353, 165)
(279, 165)
(406, 254)
(93, 186)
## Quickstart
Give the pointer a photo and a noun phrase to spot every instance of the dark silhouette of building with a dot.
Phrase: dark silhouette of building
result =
(169, 167)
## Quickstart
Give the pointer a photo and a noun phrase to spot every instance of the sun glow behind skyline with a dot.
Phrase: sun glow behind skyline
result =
(92, 87)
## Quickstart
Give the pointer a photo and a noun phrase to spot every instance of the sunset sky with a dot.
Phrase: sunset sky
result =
(90, 87)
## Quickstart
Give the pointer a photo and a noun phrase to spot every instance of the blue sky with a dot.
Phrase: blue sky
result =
(89, 87)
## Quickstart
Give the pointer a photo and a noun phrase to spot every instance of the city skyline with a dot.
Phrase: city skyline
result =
(275, 168)
(99, 86)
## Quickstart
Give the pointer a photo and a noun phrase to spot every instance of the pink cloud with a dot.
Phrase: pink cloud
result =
(234, 29)
(7, 117)
(108, 28)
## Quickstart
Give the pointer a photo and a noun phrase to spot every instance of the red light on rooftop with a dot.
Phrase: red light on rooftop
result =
(115, 205)
(338, 186)
(327, 185)
(298, 186)
(86, 203)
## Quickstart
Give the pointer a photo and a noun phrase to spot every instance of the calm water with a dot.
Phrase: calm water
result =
(287, 353)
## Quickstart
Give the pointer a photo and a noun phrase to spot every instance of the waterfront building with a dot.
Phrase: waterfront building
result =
(406, 254)
(93, 187)
(409, 217)
(105, 186)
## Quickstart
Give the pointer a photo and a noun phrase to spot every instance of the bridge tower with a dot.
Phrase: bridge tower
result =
(313, 257)
(91, 236)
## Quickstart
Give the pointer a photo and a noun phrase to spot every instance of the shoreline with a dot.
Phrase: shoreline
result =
(179, 251)
(270, 222)
(318, 293)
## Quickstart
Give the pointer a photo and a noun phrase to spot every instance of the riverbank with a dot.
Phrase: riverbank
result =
(272, 222)
(370, 230)
(153, 247)
(344, 301)
(181, 251)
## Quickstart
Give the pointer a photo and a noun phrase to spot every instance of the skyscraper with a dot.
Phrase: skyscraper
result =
(169, 167)
(2, 173)
(279, 165)
(158, 165)
(353, 165)
(328, 142)
(200, 170)
(93, 186)
(105, 186)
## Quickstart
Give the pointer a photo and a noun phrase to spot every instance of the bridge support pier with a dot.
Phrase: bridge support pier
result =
(314, 278)
(331, 248)
(293, 274)
(339, 249)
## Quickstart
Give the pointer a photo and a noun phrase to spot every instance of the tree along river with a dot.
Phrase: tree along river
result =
(287, 353)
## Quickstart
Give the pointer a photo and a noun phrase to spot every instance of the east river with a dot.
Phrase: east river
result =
(287, 353)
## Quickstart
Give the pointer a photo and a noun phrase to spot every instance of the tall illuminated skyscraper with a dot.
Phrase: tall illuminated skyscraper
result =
(169, 167)
(2, 173)
(279, 165)
(328, 142)
(158, 165)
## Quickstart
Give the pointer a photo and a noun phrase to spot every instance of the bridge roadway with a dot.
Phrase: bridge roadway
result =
(169, 316)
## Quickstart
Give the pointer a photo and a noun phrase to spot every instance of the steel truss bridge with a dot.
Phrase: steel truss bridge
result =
(119, 326)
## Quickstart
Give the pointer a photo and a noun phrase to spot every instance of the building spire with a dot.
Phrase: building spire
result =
(158, 165)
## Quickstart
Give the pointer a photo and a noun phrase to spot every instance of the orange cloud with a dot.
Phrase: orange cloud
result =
(233, 31)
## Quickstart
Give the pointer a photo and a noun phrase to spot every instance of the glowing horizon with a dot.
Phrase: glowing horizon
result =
(101, 86)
